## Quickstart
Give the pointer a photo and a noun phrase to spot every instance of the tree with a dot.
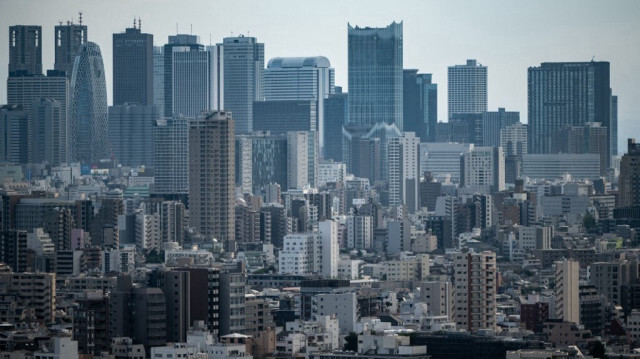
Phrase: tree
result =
(588, 222)
(351, 342)
(598, 350)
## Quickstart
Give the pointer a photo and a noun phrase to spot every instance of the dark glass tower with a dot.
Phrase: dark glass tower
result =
(25, 50)
(69, 39)
(564, 94)
(243, 77)
(88, 108)
(420, 105)
(133, 67)
(375, 75)
(336, 115)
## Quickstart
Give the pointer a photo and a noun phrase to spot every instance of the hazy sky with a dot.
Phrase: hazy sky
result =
(505, 35)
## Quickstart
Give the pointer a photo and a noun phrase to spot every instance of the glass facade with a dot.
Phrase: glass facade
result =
(88, 110)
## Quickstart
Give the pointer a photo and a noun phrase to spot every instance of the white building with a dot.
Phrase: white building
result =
(467, 88)
(349, 268)
(407, 268)
(40, 242)
(148, 235)
(443, 159)
(567, 292)
(298, 159)
(172, 351)
(343, 305)
(359, 232)
(332, 172)
(404, 170)
(311, 253)
(513, 139)
(322, 334)
(482, 170)
(61, 348)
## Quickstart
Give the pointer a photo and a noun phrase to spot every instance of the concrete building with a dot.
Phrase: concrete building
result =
(309, 253)
(439, 296)
(133, 67)
(551, 166)
(482, 170)
(177, 292)
(513, 139)
(475, 279)
(359, 232)
(442, 160)
(59, 348)
(33, 295)
(493, 122)
(243, 78)
(567, 274)
(302, 159)
(629, 180)
(467, 90)
(404, 171)
(211, 177)
(342, 305)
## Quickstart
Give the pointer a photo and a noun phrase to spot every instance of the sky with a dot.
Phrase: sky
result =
(506, 36)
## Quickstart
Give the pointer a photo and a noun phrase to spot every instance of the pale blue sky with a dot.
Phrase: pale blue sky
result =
(505, 35)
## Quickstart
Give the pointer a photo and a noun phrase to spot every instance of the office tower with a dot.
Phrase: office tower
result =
(133, 67)
(404, 171)
(280, 117)
(88, 137)
(261, 160)
(158, 77)
(177, 43)
(545, 166)
(442, 160)
(216, 73)
(301, 78)
(69, 39)
(375, 75)
(14, 134)
(467, 91)
(243, 78)
(629, 180)
(482, 170)
(420, 105)
(131, 133)
(381, 131)
(614, 125)
(171, 158)
(48, 132)
(25, 50)
(466, 128)
(493, 122)
(566, 291)
(513, 140)
(336, 115)
(190, 82)
(363, 158)
(212, 177)
(302, 159)
(564, 94)
(476, 286)
(589, 138)
(176, 289)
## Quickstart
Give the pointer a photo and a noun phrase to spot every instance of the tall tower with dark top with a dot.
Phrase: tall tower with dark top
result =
(68, 40)
(133, 67)
(25, 50)
(629, 180)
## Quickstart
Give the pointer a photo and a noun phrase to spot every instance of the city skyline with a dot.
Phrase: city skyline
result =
(430, 46)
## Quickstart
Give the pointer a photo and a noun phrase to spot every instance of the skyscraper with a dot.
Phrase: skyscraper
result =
(14, 134)
(302, 159)
(243, 78)
(493, 122)
(171, 158)
(190, 81)
(566, 94)
(301, 78)
(158, 77)
(181, 43)
(614, 125)
(280, 117)
(336, 115)
(629, 180)
(404, 171)
(420, 102)
(25, 50)
(375, 75)
(482, 170)
(475, 281)
(566, 291)
(131, 133)
(48, 132)
(211, 176)
(467, 88)
(133, 67)
(88, 110)
(69, 39)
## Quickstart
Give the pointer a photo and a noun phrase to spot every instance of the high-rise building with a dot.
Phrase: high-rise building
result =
(420, 105)
(482, 170)
(176, 289)
(88, 135)
(158, 77)
(442, 160)
(301, 78)
(69, 39)
(178, 43)
(309, 253)
(629, 180)
(467, 91)
(190, 81)
(566, 291)
(336, 115)
(545, 166)
(48, 132)
(212, 177)
(513, 140)
(216, 73)
(282, 116)
(493, 122)
(475, 279)
(302, 159)
(171, 158)
(243, 78)
(564, 94)
(261, 160)
(15, 144)
(359, 232)
(404, 171)
(133, 67)
(589, 138)
(131, 133)
(25, 50)
(614, 125)
(375, 75)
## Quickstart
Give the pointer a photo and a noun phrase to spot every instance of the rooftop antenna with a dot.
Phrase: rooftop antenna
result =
(593, 58)
(134, 22)
(80, 20)
(139, 23)
(59, 22)
(191, 29)
(210, 39)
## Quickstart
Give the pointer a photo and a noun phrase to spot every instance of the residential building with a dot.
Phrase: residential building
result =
(566, 291)
(404, 171)
(467, 90)
(475, 280)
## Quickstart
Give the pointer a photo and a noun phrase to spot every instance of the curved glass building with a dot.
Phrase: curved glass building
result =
(88, 111)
